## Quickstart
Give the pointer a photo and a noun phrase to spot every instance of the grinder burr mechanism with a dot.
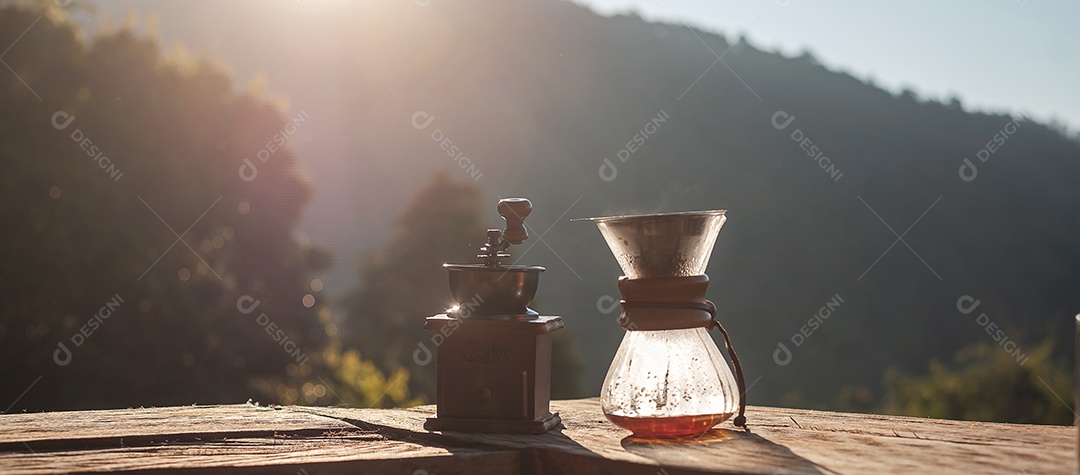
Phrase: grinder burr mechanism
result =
(494, 352)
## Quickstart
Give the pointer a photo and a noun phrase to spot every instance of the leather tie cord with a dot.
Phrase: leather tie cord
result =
(673, 303)
(740, 420)
(713, 323)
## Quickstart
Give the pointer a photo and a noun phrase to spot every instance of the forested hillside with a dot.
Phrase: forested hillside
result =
(869, 232)
(541, 113)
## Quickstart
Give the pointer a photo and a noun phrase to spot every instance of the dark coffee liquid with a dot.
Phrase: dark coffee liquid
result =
(669, 426)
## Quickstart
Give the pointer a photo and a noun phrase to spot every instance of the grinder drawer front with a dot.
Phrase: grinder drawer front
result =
(486, 393)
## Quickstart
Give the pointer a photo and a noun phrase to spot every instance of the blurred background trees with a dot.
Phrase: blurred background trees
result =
(204, 258)
(403, 282)
(206, 265)
(984, 383)
(537, 115)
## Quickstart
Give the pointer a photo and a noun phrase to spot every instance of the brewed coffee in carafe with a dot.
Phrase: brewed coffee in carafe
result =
(668, 378)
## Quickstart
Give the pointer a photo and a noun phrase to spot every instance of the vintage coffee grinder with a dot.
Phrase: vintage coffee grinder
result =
(668, 377)
(494, 363)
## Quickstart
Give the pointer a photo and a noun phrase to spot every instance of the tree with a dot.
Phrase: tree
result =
(404, 282)
(141, 264)
(986, 383)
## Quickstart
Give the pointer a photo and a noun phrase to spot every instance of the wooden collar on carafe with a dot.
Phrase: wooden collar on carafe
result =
(665, 303)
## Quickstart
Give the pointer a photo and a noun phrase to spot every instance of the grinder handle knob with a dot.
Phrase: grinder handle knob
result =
(514, 211)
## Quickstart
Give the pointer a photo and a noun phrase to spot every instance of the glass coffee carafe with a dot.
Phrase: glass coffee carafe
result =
(668, 378)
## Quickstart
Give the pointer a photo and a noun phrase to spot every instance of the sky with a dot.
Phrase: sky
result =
(1002, 56)
(1014, 56)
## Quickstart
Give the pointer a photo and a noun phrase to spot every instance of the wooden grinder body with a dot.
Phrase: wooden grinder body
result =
(494, 375)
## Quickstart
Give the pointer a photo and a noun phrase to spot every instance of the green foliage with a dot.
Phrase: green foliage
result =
(363, 384)
(208, 278)
(985, 383)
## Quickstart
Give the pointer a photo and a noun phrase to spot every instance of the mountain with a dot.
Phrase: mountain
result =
(837, 190)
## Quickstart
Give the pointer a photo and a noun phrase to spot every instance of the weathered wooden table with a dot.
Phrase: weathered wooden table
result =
(315, 440)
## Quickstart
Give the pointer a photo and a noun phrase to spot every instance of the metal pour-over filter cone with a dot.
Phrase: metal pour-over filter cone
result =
(662, 245)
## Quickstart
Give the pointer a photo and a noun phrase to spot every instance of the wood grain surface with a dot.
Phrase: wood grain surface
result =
(312, 440)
